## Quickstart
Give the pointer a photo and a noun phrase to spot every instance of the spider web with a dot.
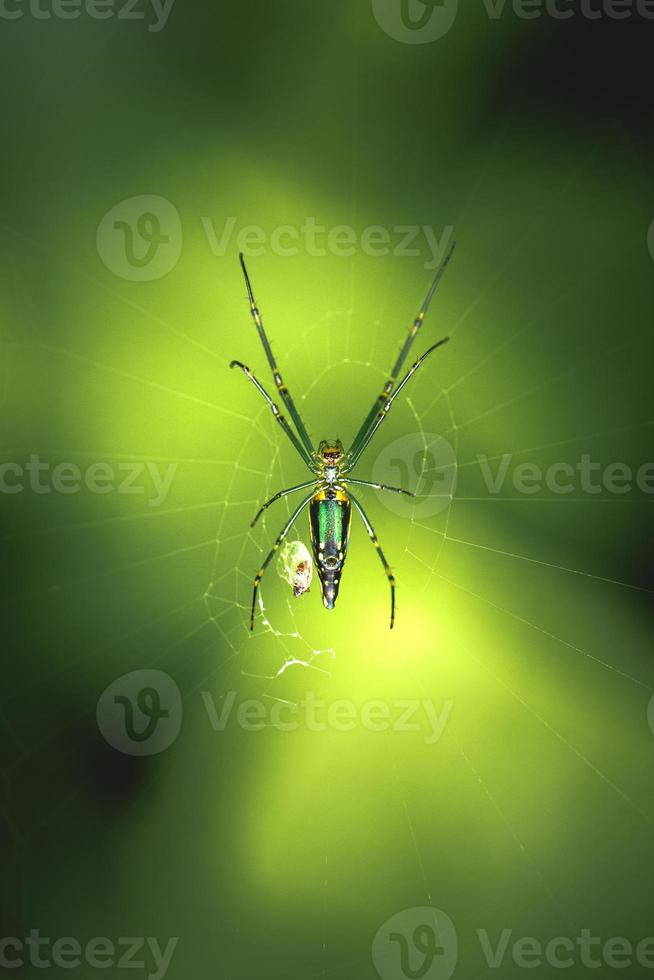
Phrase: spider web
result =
(432, 409)
(284, 638)
(418, 563)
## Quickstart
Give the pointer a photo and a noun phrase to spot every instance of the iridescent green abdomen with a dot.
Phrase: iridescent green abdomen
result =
(329, 518)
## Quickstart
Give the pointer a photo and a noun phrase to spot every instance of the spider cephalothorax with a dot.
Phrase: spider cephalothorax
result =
(329, 459)
(330, 452)
(330, 501)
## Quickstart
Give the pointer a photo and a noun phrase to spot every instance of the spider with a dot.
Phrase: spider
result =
(330, 500)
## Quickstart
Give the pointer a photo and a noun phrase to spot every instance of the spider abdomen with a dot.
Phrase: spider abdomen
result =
(329, 519)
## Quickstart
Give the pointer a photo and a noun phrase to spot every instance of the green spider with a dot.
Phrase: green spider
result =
(330, 501)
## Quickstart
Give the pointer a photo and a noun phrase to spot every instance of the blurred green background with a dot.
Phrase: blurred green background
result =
(526, 617)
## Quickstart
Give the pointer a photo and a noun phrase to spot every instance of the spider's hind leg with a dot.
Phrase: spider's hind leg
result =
(382, 557)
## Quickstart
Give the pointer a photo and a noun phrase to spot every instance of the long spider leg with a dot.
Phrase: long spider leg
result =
(404, 351)
(379, 486)
(382, 413)
(382, 557)
(281, 387)
(271, 554)
(275, 410)
(278, 496)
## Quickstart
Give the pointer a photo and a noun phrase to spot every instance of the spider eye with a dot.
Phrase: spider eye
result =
(331, 562)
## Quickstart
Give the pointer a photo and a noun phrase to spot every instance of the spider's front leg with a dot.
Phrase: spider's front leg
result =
(275, 410)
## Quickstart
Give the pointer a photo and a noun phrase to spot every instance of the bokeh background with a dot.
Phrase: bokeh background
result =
(526, 617)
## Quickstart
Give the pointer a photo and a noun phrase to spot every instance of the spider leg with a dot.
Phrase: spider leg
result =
(281, 387)
(274, 409)
(271, 554)
(383, 412)
(382, 558)
(404, 351)
(380, 486)
(278, 496)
